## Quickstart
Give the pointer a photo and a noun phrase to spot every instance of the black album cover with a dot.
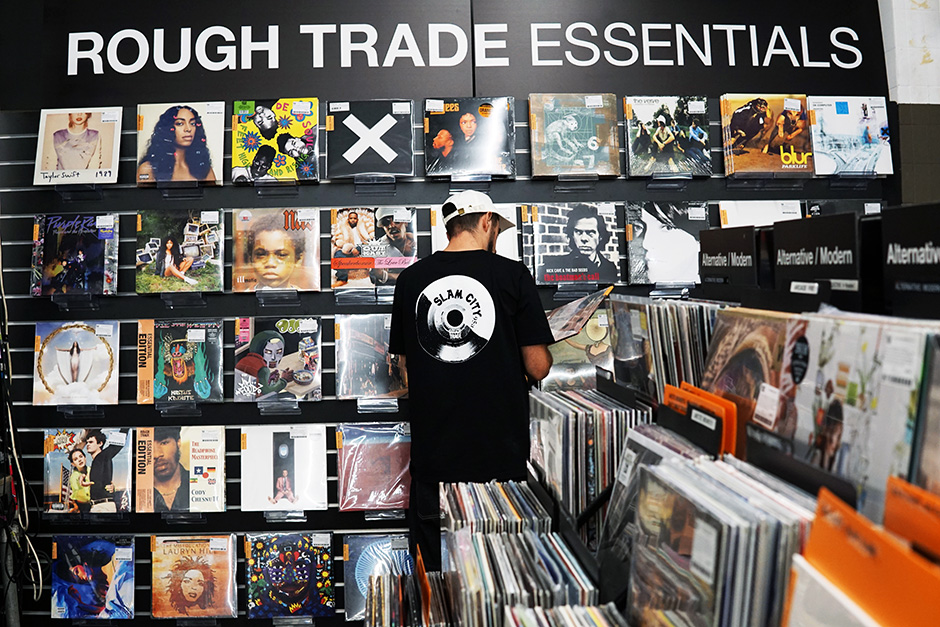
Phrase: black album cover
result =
(470, 136)
(576, 243)
(369, 137)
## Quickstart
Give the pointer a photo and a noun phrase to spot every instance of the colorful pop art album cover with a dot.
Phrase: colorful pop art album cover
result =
(179, 142)
(575, 243)
(667, 135)
(275, 141)
(366, 555)
(179, 361)
(93, 577)
(277, 359)
(574, 134)
(276, 249)
(78, 146)
(75, 254)
(766, 134)
(288, 468)
(364, 368)
(179, 250)
(76, 363)
(850, 135)
(193, 577)
(663, 241)
(290, 574)
(180, 469)
(369, 137)
(470, 136)
(507, 244)
(369, 247)
(73, 485)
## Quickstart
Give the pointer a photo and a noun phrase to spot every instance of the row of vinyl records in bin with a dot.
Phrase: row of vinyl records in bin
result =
(570, 134)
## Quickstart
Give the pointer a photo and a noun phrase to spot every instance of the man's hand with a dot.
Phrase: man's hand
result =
(109, 488)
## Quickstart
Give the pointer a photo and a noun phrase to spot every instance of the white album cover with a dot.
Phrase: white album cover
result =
(758, 212)
(507, 244)
(78, 146)
(283, 468)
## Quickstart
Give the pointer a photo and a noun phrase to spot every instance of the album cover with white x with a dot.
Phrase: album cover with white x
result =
(369, 137)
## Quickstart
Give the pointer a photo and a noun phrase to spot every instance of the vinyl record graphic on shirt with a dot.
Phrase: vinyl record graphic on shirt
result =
(454, 317)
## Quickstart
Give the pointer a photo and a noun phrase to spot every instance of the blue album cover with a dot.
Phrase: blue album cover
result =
(366, 555)
(93, 577)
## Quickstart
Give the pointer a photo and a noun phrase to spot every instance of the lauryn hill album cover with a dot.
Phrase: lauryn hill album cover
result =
(193, 576)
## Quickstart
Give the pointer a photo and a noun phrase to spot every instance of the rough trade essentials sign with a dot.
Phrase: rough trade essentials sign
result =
(364, 49)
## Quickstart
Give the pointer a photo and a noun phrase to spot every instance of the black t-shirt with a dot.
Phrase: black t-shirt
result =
(102, 472)
(460, 319)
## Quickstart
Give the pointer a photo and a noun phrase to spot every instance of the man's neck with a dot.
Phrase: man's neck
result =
(466, 240)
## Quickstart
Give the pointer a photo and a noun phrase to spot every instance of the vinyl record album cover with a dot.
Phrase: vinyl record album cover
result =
(850, 135)
(75, 254)
(576, 358)
(662, 241)
(834, 206)
(469, 136)
(507, 244)
(734, 213)
(288, 468)
(634, 366)
(373, 465)
(193, 577)
(180, 141)
(78, 146)
(576, 243)
(180, 469)
(179, 361)
(275, 141)
(373, 137)
(574, 134)
(277, 359)
(289, 574)
(76, 363)
(93, 577)
(179, 250)
(369, 246)
(364, 369)
(276, 249)
(766, 134)
(667, 135)
(926, 466)
(367, 555)
(87, 470)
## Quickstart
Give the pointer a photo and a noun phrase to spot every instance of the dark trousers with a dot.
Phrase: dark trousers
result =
(424, 522)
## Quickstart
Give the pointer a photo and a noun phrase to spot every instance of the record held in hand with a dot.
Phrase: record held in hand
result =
(369, 137)
(455, 318)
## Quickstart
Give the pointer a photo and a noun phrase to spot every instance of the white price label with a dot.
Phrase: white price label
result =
(402, 215)
(104, 222)
(703, 419)
(792, 104)
(406, 428)
(320, 539)
(123, 553)
(872, 208)
(307, 214)
(301, 107)
(698, 212)
(844, 285)
(803, 287)
(606, 209)
(104, 330)
(432, 105)
(111, 116)
(899, 362)
(626, 466)
(195, 335)
(339, 107)
(768, 400)
(298, 432)
(704, 551)
(209, 217)
(399, 544)
(210, 435)
(602, 320)
(388, 321)
(308, 325)
(117, 438)
(636, 327)
(215, 108)
(594, 101)
(697, 107)
(401, 108)
(218, 544)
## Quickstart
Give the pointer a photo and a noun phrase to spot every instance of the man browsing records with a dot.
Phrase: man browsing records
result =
(471, 334)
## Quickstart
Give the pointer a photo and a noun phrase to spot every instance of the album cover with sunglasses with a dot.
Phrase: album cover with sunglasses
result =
(276, 249)
(371, 137)
(275, 141)
(370, 246)
(470, 136)
(663, 241)
(180, 142)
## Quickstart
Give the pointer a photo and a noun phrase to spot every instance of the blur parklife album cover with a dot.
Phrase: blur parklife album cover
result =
(574, 134)
(179, 142)
(78, 146)
(290, 574)
(850, 135)
(276, 249)
(71, 484)
(364, 369)
(75, 254)
(180, 469)
(93, 577)
(507, 244)
(275, 141)
(369, 247)
(576, 243)
(766, 134)
(368, 554)
(76, 363)
(667, 135)
(277, 359)
(469, 136)
(662, 241)
(193, 576)
(369, 137)
(179, 361)
(287, 468)
(179, 250)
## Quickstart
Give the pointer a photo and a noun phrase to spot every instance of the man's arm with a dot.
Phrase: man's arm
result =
(537, 361)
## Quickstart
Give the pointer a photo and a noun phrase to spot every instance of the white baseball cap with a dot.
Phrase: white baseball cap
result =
(472, 201)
